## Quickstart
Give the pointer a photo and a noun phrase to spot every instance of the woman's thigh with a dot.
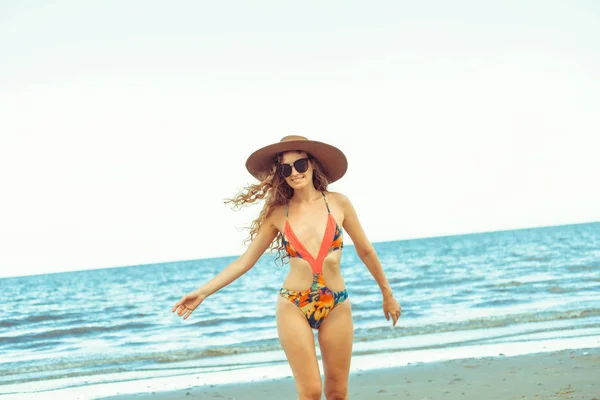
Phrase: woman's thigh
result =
(297, 339)
(336, 334)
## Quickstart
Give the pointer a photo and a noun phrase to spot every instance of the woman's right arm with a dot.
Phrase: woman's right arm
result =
(264, 237)
(261, 242)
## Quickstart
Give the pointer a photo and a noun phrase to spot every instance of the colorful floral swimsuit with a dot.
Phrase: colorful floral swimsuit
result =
(317, 301)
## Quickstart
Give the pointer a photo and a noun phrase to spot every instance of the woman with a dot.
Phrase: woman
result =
(293, 177)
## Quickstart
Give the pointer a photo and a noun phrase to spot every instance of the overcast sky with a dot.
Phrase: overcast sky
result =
(125, 124)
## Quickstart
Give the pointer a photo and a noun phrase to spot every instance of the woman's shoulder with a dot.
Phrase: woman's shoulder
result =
(339, 198)
(277, 212)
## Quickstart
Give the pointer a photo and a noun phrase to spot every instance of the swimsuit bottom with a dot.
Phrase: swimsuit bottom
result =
(316, 302)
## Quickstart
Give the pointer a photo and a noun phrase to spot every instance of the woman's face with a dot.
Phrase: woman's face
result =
(296, 179)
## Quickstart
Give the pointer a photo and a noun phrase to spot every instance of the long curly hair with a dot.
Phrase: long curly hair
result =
(274, 190)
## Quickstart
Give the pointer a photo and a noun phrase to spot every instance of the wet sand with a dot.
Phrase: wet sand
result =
(567, 374)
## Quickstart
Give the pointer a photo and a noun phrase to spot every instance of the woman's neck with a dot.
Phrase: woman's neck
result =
(306, 195)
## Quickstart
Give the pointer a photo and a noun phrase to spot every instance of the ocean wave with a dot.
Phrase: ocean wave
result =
(476, 323)
(560, 289)
(93, 365)
(365, 305)
(440, 281)
(536, 258)
(550, 286)
(264, 345)
(10, 323)
(497, 302)
(506, 284)
(583, 268)
(229, 319)
(76, 331)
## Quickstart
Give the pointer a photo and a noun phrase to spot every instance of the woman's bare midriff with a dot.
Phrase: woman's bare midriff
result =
(300, 276)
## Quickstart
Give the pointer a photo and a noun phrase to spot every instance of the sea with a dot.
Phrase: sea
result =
(96, 333)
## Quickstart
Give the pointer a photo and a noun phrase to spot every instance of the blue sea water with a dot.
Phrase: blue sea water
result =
(60, 332)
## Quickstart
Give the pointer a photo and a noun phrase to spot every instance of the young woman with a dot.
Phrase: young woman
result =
(305, 223)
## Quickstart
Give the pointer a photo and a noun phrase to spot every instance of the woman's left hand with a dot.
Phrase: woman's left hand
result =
(391, 308)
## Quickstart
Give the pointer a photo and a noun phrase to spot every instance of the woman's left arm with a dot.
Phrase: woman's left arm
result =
(366, 252)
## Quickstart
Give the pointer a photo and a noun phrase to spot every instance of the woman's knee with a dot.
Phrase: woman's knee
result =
(310, 392)
(336, 392)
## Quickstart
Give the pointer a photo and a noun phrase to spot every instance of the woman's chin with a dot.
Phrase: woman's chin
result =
(298, 184)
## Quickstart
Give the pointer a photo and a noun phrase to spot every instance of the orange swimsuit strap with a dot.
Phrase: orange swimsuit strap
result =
(332, 240)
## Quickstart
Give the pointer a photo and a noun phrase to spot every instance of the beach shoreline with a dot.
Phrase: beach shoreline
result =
(564, 374)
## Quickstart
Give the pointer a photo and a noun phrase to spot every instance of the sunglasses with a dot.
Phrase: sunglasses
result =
(300, 164)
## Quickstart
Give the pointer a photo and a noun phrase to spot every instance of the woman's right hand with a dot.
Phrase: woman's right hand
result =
(188, 303)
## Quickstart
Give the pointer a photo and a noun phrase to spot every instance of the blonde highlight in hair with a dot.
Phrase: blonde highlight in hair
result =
(275, 191)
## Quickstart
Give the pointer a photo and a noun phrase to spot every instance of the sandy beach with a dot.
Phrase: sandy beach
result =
(567, 374)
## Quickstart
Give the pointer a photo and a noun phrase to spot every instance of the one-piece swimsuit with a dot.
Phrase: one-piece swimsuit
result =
(317, 301)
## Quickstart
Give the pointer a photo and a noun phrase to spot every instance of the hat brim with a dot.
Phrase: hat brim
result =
(332, 159)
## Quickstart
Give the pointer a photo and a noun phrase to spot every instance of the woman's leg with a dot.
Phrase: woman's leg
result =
(298, 343)
(335, 340)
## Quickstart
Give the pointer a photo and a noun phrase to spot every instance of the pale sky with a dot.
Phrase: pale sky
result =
(125, 124)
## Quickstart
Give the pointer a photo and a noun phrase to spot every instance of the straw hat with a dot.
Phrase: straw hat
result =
(332, 159)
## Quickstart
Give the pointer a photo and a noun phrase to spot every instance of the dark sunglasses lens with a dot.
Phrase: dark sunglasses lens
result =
(286, 170)
(301, 165)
